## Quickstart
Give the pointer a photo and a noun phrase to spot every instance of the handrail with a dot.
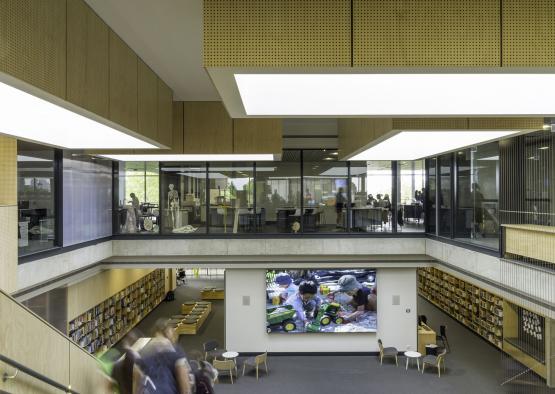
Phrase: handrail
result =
(36, 375)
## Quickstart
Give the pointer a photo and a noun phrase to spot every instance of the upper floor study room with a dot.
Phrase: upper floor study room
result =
(465, 196)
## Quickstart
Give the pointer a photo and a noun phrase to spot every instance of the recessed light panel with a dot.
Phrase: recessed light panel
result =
(199, 157)
(413, 145)
(29, 117)
(455, 94)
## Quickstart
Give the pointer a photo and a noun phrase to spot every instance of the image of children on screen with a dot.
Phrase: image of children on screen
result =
(299, 301)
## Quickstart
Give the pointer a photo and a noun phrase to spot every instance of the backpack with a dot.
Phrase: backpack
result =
(204, 374)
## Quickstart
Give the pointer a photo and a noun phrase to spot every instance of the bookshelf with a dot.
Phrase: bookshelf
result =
(476, 308)
(105, 324)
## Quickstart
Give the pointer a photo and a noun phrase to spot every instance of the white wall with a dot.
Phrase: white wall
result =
(246, 325)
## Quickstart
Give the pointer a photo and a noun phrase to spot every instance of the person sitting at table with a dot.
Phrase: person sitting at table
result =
(370, 200)
(286, 286)
(363, 299)
(378, 201)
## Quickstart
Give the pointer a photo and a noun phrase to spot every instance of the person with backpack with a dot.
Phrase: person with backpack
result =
(166, 369)
(205, 374)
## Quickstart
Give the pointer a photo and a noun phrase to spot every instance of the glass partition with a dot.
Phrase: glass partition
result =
(87, 202)
(325, 192)
(278, 194)
(138, 208)
(371, 191)
(231, 205)
(183, 187)
(410, 196)
(430, 196)
(477, 218)
(35, 195)
(445, 166)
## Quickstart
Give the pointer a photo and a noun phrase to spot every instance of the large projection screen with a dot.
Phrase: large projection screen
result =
(321, 301)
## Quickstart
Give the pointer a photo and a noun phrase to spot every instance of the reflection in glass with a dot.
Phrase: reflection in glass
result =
(445, 162)
(138, 194)
(371, 185)
(477, 217)
(278, 194)
(183, 187)
(87, 202)
(410, 198)
(430, 211)
(231, 187)
(35, 194)
(325, 192)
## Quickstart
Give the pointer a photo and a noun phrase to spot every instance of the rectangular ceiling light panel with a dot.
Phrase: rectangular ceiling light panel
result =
(187, 157)
(490, 94)
(413, 145)
(29, 117)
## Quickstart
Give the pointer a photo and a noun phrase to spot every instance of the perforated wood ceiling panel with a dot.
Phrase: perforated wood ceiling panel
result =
(33, 42)
(277, 33)
(529, 33)
(440, 33)
(8, 169)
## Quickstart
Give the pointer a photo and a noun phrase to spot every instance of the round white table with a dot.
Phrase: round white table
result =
(413, 355)
(230, 355)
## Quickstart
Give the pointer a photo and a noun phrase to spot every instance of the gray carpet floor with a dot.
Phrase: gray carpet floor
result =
(473, 366)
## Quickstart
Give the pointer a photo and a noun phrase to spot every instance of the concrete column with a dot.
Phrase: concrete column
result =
(8, 214)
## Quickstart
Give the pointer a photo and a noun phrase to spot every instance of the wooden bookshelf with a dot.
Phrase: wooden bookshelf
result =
(476, 308)
(104, 325)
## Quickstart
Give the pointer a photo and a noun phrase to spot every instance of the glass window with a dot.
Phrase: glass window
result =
(477, 217)
(278, 194)
(430, 196)
(36, 197)
(87, 202)
(371, 191)
(325, 192)
(445, 162)
(138, 198)
(410, 197)
(231, 187)
(183, 198)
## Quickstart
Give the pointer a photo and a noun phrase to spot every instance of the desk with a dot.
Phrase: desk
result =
(426, 336)
(364, 217)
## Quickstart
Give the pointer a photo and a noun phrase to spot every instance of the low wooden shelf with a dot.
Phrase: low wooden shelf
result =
(193, 315)
(210, 293)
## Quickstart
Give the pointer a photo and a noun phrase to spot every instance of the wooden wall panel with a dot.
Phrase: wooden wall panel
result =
(83, 374)
(356, 133)
(147, 101)
(177, 127)
(257, 135)
(165, 117)
(528, 33)
(30, 341)
(123, 83)
(88, 65)
(33, 43)
(207, 128)
(430, 123)
(277, 33)
(407, 33)
(8, 214)
(529, 240)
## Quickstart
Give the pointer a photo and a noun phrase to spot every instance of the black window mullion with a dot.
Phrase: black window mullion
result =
(207, 197)
(395, 180)
(349, 202)
(302, 192)
(58, 197)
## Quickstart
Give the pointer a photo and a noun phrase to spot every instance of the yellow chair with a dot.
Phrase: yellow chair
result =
(254, 362)
(225, 366)
(435, 361)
